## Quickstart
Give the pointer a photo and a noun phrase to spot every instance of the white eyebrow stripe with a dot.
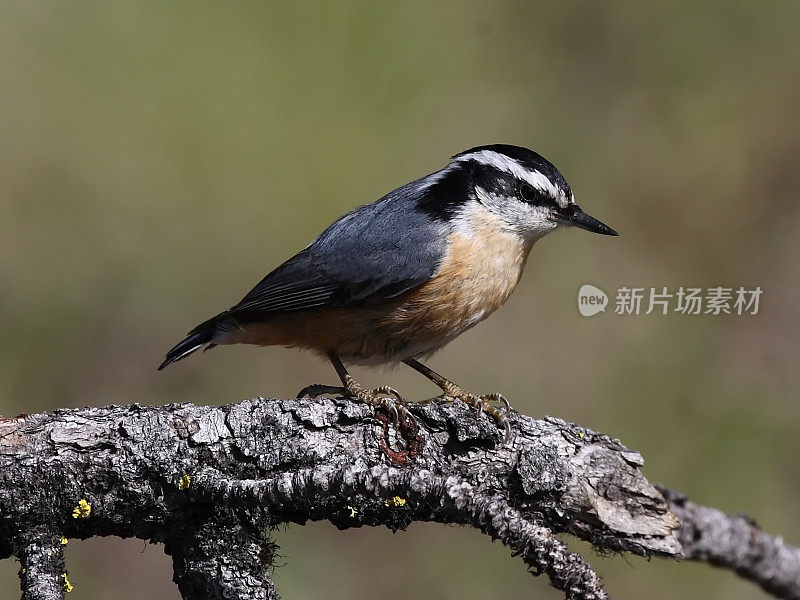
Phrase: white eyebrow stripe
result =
(538, 180)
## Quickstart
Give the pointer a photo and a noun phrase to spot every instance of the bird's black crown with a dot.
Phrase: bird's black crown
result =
(528, 159)
(454, 185)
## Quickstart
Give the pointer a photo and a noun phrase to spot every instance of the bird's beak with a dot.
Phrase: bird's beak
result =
(574, 215)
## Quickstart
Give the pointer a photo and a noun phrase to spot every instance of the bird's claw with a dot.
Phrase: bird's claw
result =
(484, 403)
(385, 389)
(383, 397)
(390, 406)
(500, 399)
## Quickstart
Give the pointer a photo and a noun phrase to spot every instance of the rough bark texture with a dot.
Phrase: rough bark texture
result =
(737, 542)
(212, 482)
(42, 573)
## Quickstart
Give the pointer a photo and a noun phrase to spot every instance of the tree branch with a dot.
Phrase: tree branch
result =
(736, 542)
(42, 573)
(212, 482)
(218, 558)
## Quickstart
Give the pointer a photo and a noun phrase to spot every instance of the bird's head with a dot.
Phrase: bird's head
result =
(520, 188)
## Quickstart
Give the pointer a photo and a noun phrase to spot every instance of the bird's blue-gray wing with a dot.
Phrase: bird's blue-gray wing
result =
(376, 252)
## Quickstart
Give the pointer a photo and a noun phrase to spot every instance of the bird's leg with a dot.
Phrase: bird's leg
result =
(482, 403)
(384, 397)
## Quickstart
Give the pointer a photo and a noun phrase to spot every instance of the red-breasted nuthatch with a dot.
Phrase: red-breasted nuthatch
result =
(396, 280)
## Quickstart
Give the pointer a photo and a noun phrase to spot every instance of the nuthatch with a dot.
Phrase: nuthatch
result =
(396, 280)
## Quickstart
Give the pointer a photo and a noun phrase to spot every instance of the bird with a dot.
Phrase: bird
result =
(396, 280)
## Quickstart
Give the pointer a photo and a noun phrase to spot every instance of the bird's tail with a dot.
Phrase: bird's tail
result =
(198, 337)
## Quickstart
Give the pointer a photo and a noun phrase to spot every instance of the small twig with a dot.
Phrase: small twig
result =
(426, 497)
(42, 574)
(536, 544)
(219, 558)
(736, 542)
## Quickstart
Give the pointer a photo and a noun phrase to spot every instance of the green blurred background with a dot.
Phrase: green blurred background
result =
(157, 159)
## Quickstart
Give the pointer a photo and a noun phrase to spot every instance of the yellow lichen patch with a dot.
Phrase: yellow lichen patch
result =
(352, 511)
(64, 541)
(82, 511)
(395, 501)
(184, 482)
(67, 585)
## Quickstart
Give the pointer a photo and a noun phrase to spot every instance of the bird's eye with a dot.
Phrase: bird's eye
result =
(530, 194)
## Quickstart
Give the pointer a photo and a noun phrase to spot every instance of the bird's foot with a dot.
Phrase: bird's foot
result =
(389, 401)
(383, 397)
(485, 403)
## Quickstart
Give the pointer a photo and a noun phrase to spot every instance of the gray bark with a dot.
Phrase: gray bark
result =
(42, 571)
(736, 542)
(211, 483)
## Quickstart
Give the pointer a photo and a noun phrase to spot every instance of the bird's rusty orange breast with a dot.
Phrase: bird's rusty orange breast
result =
(476, 277)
